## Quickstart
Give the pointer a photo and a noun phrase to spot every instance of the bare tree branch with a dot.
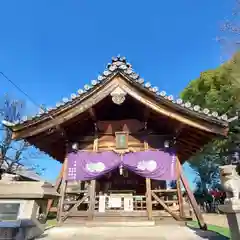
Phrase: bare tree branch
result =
(230, 28)
(14, 155)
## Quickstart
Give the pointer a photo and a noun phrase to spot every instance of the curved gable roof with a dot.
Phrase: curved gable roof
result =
(114, 74)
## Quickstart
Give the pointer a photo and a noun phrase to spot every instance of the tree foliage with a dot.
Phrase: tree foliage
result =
(216, 90)
(14, 155)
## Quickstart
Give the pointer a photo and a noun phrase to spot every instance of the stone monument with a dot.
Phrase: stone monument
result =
(231, 184)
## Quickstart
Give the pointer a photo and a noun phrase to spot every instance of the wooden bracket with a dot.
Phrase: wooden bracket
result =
(74, 208)
(179, 192)
(175, 216)
(193, 201)
(62, 192)
(57, 187)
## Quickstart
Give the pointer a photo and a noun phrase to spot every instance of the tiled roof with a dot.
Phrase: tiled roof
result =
(120, 64)
(24, 172)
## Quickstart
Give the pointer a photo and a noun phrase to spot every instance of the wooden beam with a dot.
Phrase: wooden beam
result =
(179, 191)
(187, 146)
(57, 186)
(179, 129)
(149, 198)
(201, 139)
(68, 112)
(92, 187)
(188, 142)
(92, 196)
(109, 127)
(80, 105)
(74, 208)
(44, 135)
(92, 114)
(175, 216)
(63, 190)
(186, 152)
(146, 114)
(52, 135)
(148, 190)
(193, 121)
(193, 201)
(198, 132)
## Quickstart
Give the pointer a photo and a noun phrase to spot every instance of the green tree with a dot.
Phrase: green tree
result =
(216, 90)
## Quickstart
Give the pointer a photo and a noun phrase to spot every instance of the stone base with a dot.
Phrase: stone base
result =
(230, 207)
(233, 216)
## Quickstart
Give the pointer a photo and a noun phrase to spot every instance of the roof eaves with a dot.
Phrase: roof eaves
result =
(119, 64)
(184, 107)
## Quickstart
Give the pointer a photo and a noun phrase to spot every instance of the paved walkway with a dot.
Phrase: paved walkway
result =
(165, 232)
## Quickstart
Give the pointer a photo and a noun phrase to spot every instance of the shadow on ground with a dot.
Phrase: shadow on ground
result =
(43, 236)
(208, 235)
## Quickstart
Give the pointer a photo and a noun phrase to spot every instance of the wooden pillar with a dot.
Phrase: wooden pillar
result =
(62, 192)
(148, 191)
(193, 201)
(149, 198)
(92, 188)
(57, 186)
(179, 191)
(92, 196)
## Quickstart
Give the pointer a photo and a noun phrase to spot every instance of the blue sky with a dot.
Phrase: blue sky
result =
(51, 48)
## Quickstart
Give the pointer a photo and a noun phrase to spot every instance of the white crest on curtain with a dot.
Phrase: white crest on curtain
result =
(95, 167)
(149, 165)
(72, 172)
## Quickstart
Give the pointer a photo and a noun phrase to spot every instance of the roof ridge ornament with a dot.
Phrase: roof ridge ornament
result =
(118, 95)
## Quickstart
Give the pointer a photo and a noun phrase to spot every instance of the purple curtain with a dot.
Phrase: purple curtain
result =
(89, 165)
(158, 165)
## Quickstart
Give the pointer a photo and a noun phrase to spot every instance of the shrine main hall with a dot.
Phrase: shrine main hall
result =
(121, 141)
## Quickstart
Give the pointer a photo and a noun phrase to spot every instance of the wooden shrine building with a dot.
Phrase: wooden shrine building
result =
(120, 140)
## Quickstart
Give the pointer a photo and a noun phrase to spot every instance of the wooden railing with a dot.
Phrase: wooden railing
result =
(168, 196)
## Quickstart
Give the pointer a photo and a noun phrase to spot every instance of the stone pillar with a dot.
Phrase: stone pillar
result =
(232, 212)
(231, 184)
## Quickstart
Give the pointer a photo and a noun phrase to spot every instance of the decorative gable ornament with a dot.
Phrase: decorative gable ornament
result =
(118, 95)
